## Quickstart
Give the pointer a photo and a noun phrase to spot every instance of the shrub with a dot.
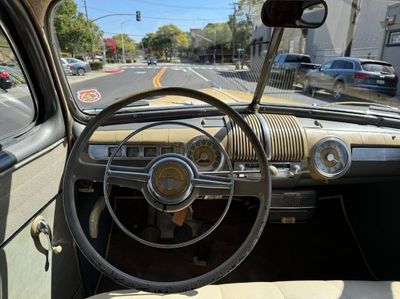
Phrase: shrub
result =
(96, 65)
(64, 54)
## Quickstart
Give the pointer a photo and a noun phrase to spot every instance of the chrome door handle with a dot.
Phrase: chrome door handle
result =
(39, 226)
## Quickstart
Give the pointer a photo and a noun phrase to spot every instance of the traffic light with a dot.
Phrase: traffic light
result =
(138, 16)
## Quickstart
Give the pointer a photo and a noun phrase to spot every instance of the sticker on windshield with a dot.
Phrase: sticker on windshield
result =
(89, 95)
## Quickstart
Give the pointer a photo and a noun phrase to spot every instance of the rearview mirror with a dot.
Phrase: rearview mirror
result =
(294, 13)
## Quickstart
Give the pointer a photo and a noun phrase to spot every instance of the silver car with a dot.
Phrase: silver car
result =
(76, 67)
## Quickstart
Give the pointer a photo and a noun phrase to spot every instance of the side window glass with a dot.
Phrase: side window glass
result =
(348, 65)
(336, 65)
(17, 108)
(326, 66)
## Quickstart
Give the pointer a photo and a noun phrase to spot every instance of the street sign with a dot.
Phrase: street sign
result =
(240, 50)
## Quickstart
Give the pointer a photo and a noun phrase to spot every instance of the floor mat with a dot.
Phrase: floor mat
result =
(322, 249)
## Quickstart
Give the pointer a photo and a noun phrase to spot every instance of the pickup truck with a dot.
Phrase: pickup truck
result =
(289, 69)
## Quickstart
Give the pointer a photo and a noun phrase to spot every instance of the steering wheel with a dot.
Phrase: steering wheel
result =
(192, 184)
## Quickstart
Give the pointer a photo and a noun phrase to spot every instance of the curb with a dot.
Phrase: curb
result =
(116, 71)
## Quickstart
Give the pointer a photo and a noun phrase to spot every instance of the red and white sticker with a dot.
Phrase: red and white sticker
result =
(89, 95)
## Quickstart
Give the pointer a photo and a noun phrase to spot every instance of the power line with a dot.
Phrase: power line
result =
(183, 7)
(116, 33)
(162, 18)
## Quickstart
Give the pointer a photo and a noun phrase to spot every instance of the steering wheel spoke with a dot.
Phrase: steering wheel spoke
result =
(212, 185)
(254, 188)
(126, 176)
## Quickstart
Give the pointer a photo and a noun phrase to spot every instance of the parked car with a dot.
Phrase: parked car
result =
(66, 66)
(151, 60)
(77, 67)
(5, 80)
(289, 69)
(354, 77)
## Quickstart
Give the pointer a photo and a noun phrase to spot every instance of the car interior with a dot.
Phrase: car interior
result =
(205, 199)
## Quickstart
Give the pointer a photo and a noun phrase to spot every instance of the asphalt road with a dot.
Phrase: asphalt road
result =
(134, 78)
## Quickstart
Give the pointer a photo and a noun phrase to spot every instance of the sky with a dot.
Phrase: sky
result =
(185, 14)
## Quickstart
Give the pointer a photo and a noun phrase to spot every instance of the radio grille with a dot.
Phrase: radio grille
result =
(286, 138)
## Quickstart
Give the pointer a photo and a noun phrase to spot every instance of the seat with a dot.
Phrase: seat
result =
(276, 290)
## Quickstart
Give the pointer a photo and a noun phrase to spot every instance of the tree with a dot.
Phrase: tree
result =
(220, 33)
(165, 41)
(76, 34)
(129, 44)
(111, 47)
(246, 11)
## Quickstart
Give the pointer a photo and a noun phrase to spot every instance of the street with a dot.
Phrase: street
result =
(139, 77)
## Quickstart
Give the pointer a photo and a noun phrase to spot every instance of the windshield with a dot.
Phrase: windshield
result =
(110, 49)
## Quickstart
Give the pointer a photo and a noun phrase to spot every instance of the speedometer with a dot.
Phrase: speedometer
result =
(205, 154)
(331, 158)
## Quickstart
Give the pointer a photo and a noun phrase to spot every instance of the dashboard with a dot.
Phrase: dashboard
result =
(302, 151)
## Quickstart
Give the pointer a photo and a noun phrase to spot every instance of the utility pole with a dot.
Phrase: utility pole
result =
(234, 31)
(122, 40)
(246, 34)
(86, 11)
(355, 6)
(215, 44)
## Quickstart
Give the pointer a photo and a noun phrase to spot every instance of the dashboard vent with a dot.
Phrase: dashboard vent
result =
(282, 133)
(287, 142)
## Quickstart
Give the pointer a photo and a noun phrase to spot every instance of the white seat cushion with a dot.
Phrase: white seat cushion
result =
(276, 290)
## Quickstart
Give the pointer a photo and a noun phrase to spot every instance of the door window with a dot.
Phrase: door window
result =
(338, 65)
(17, 108)
(326, 66)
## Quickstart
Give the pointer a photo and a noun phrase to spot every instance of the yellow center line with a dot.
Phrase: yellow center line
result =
(156, 79)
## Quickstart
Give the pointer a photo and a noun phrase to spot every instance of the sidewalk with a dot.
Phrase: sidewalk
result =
(109, 69)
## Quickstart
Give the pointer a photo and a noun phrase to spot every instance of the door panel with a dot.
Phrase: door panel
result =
(27, 269)
(32, 160)
(26, 190)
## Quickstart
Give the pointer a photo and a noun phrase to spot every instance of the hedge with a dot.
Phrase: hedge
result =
(96, 65)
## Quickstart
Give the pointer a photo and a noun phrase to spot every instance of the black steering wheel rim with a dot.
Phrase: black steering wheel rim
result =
(263, 194)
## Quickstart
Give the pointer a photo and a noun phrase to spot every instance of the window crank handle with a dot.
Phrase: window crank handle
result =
(40, 226)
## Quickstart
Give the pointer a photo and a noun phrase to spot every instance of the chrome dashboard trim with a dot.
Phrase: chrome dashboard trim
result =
(267, 134)
(372, 154)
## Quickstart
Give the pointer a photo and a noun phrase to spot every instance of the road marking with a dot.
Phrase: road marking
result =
(156, 79)
(201, 76)
(141, 72)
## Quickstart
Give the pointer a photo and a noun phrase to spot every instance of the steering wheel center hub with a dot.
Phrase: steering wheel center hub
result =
(170, 180)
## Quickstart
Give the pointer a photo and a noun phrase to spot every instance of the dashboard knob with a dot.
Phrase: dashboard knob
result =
(273, 170)
(294, 170)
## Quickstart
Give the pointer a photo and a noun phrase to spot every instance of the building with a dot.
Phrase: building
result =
(391, 39)
(259, 45)
(332, 39)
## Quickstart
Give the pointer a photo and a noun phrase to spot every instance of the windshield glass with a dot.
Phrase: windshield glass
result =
(110, 49)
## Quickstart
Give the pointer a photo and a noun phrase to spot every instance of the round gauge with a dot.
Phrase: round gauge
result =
(331, 158)
(205, 154)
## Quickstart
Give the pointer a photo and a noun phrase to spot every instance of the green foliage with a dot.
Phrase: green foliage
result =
(129, 44)
(218, 32)
(96, 65)
(165, 41)
(76, 34)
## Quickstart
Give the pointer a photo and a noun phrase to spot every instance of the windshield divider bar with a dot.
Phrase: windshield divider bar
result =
(267, 66)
